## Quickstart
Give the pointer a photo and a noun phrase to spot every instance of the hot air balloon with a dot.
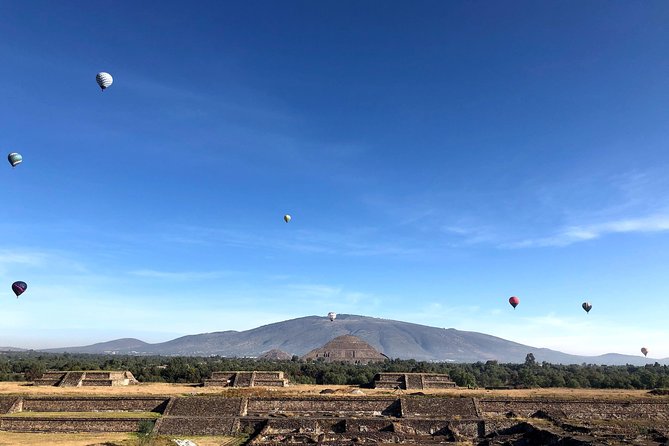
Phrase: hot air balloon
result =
(14, 159)
(587, 306)
(514, 301)
(332, 316)
(287, 218)
(644, 350)
(19, 287)
(104, 80)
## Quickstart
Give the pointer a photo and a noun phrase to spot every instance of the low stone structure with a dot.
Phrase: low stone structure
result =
(246, 379)
(86, 378)
(346, 348)
(412, 381)
(339, 420)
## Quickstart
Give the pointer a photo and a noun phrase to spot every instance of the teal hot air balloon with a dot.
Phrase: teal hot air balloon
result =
(14, 159)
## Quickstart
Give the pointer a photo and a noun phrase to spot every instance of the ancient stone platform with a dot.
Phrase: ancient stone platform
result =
(246, 379)
(86, 378)
(412, 381)
(337, 420)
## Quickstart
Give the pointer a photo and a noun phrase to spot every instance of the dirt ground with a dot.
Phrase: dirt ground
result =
(162, 389)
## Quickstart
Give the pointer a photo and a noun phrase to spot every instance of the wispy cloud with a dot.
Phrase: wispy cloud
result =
(180, 275)
(575, 234)
(366, 242)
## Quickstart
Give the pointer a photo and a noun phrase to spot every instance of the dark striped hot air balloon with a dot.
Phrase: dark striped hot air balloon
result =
(587, 306)
(19, 288)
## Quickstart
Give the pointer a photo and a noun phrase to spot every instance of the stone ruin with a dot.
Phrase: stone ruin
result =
(371, 420)
(412, 381)
(346, 348)
(86, 378)
(275, 355)
(246, 379)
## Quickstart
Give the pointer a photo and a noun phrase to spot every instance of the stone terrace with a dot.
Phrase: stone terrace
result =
(412, 381)
(86, 378)
(343, 420)
(246, 379)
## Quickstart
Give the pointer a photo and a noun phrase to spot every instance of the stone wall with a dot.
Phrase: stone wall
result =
(96, 382)
(443, 408)
(93, 404)
(578, 409)
(206, 406)
(7, 404)
(72, 379)
(312, 406)
(171, 425)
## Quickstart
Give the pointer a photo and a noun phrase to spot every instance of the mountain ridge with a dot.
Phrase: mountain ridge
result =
(396, 339)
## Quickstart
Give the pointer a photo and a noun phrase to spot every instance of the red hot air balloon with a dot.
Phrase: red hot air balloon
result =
(19, 287)
(514, 301)
(644, 350)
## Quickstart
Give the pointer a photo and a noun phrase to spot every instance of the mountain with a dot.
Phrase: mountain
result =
(395, 339)
(118, 346)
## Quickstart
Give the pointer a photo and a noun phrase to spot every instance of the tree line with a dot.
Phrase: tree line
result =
(26, 366)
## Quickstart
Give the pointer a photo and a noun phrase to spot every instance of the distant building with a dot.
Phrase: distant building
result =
(276, 355)
(346, 348)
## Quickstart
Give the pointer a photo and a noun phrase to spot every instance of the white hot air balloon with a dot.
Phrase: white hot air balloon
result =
(287, 218)
(332, 316)
(104, 80)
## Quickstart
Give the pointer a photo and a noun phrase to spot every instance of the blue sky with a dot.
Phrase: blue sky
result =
(436, 157)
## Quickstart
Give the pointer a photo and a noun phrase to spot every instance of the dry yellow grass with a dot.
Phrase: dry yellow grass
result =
(54, 439)
(28, 414)
(98, 439)
(162, 389)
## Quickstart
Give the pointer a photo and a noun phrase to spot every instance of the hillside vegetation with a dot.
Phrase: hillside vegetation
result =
(19, 366)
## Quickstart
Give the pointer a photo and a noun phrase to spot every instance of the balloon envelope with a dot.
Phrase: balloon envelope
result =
(14, 158)
(19, 287)
(644, 350)
(514, 301)
(587, 306)
(332, 315)
(287, 218)
(104, 80)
